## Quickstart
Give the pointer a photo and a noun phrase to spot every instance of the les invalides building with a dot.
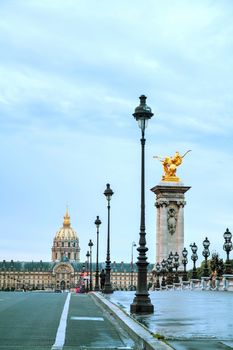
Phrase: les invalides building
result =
(66, 243)
(65, 271)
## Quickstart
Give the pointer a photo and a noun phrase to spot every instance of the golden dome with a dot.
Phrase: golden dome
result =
(66, 232)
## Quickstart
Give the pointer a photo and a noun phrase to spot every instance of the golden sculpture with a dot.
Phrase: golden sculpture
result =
(170, 165)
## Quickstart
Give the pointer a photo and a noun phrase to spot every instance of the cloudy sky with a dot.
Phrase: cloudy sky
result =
(71, 73)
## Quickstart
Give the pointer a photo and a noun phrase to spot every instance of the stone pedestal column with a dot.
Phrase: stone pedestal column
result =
(170, 202)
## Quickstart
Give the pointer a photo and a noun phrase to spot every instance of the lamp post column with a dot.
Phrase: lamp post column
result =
(170, 270)
(108, 286)
(176, 265)
(185, 262)
(206, 254)
(163, 270)
(97, 223)
(88, 256)
(142, 303)
(158, 270)
(132, 269)
(90, 244)
(194, 258)
(227, 247)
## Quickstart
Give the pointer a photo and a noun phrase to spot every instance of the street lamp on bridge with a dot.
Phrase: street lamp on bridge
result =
(194, 258)
(90, 244)
(97, 224)
(142, 303)
(108, 286)
(227, 247)
(132, 269)
(88, 256)
(206, 254)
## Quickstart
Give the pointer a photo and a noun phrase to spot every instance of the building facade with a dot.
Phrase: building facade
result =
(65, 271)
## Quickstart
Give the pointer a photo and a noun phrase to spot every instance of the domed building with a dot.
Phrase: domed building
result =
(65, 271)
(66, 243)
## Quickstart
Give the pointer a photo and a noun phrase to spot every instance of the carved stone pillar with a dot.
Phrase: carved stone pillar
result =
(169, 204)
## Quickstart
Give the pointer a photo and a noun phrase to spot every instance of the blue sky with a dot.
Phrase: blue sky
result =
(71, 73)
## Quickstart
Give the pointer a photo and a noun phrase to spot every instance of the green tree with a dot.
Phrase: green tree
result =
(216, 265)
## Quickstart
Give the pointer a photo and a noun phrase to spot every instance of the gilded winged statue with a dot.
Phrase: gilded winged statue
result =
(170, 165)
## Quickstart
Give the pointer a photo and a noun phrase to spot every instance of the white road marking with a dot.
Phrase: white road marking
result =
(61, 331)
(76, 318)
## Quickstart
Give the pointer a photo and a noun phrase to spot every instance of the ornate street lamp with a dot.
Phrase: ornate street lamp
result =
(158, 270)
(142, 303)
(163, 270)
(185, 262)
(107, 286)
(176, 265)
(90, 244)
(81, 279)
(194, 258)
(169, 268)
(206, 254)
(88, 256)
(227, 247)
(132, 269)
(97, 224)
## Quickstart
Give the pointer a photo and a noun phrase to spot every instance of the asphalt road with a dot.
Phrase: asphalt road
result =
(29, 319)
(38, 321)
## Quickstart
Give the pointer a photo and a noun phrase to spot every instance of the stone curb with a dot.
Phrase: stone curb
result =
(141, 335)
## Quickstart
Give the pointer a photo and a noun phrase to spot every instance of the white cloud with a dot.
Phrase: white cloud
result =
(71, 74)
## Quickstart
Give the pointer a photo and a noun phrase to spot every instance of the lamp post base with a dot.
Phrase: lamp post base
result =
(228, 269)
(107, 289)
(141, 305)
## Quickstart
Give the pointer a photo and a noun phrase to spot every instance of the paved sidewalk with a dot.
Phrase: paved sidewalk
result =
(143, 338)
(176, 344)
